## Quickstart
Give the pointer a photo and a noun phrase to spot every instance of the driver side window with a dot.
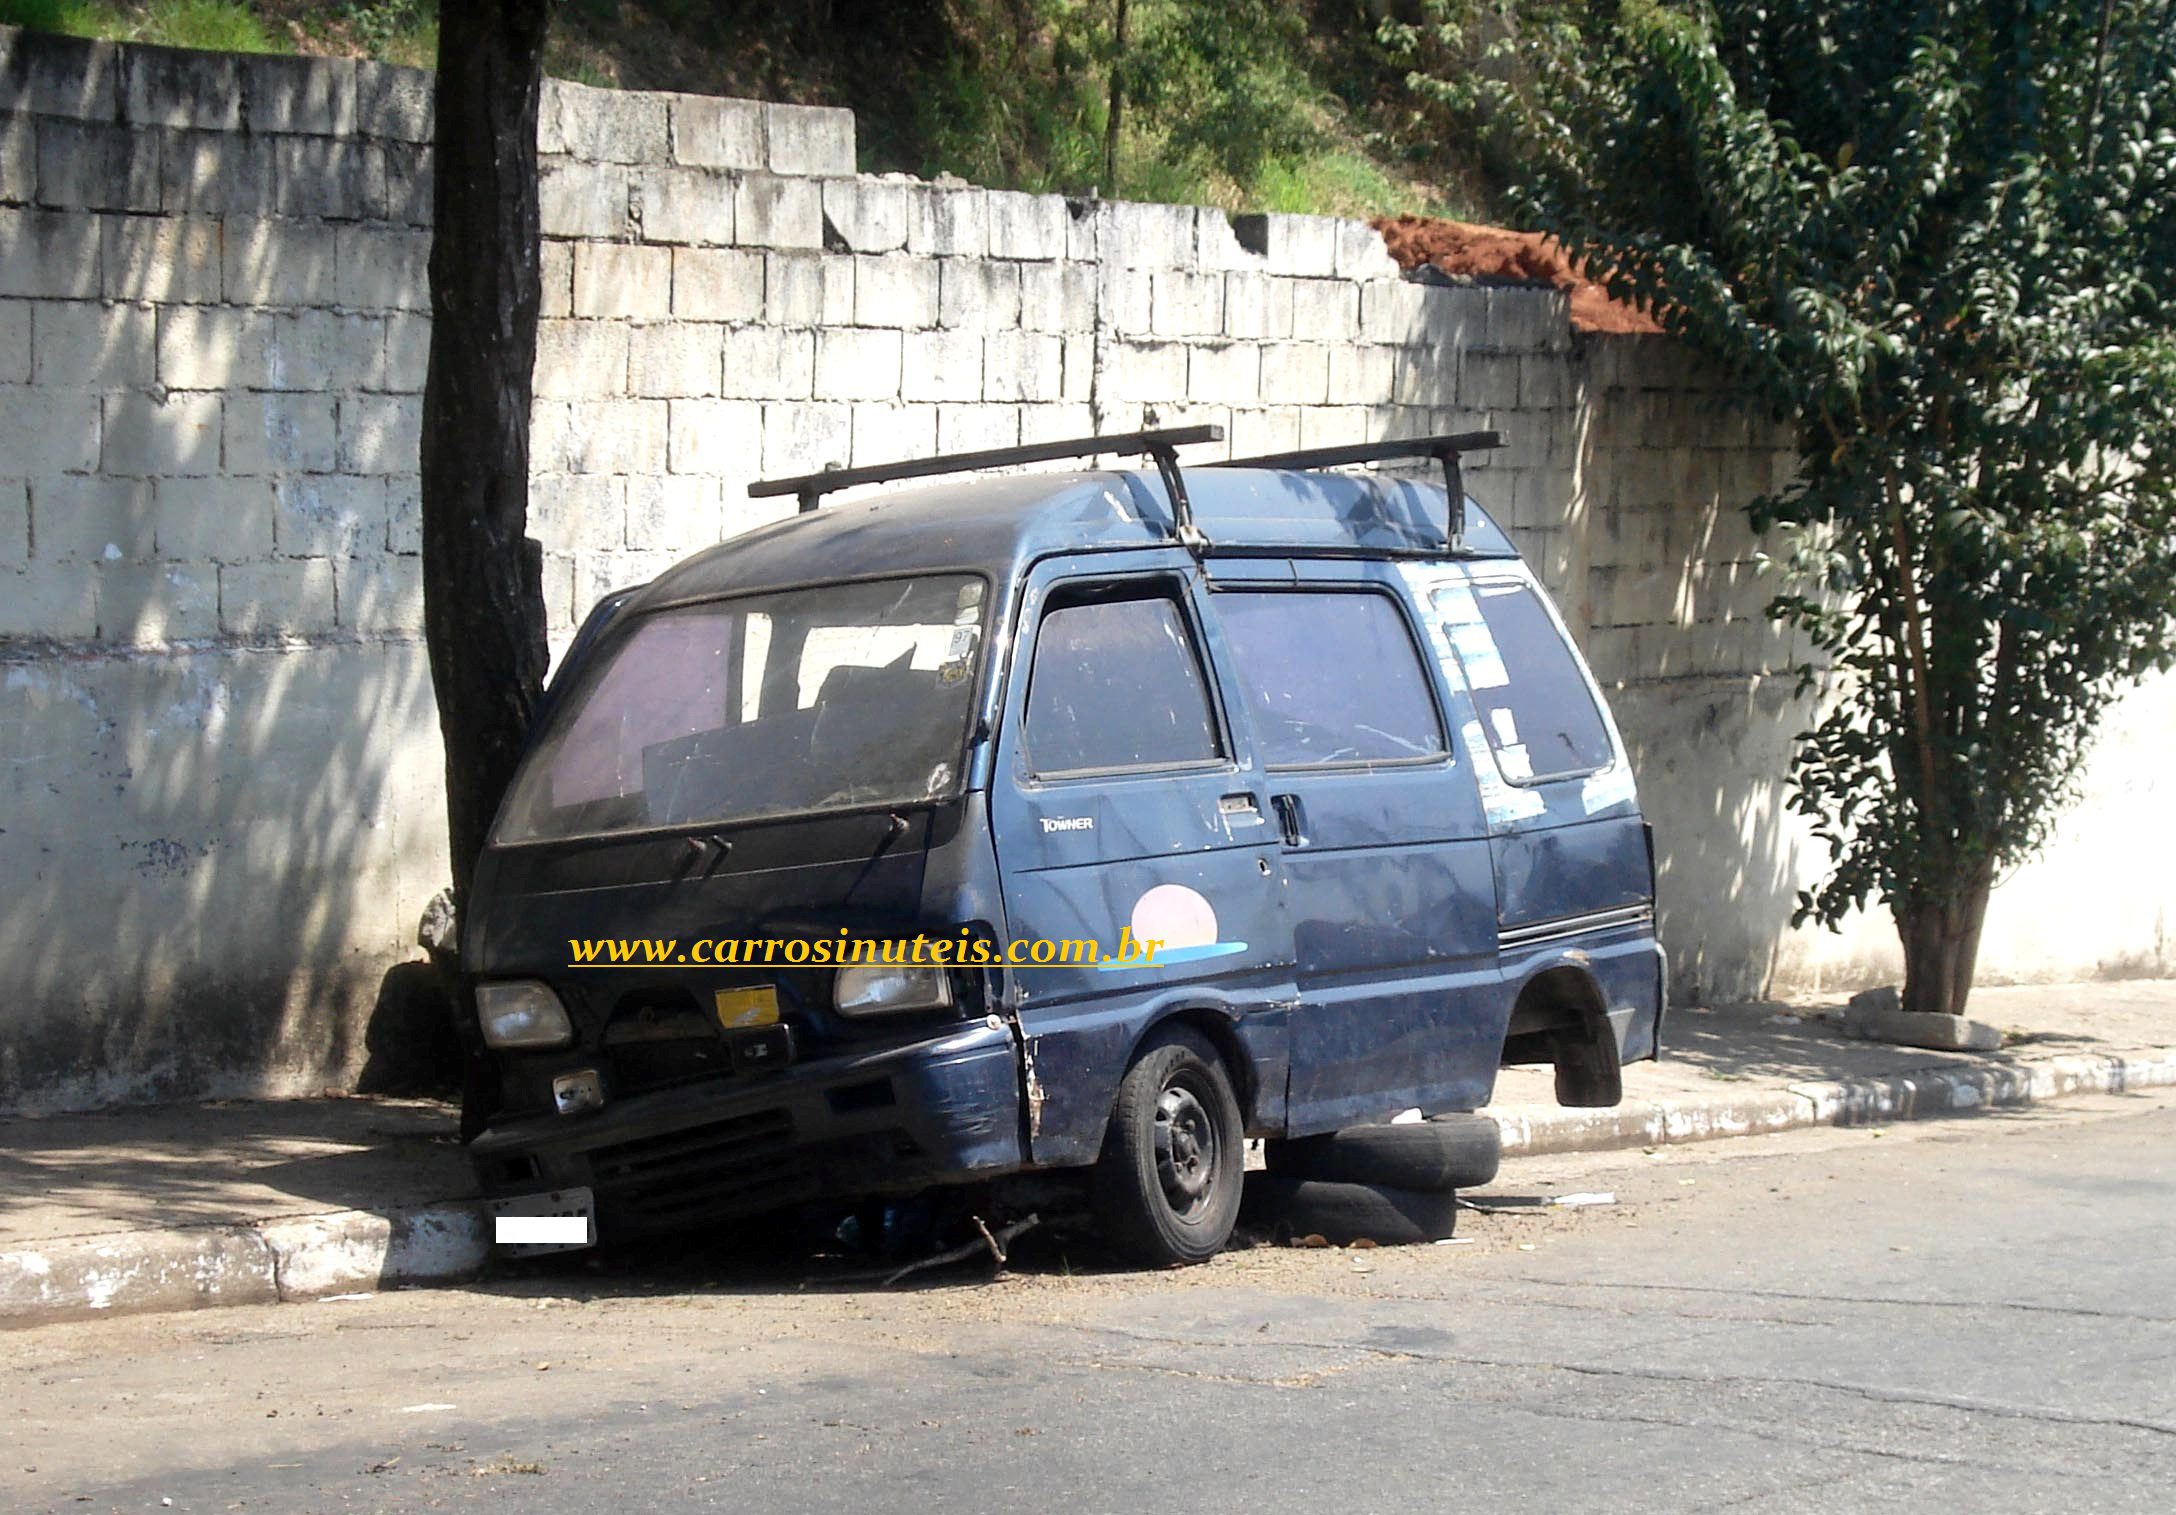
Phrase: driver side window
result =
(1331, 677)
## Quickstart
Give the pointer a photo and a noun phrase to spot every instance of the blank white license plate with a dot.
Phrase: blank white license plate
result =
(559, 1220)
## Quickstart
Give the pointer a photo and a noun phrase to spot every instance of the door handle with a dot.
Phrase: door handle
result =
(1287, 807)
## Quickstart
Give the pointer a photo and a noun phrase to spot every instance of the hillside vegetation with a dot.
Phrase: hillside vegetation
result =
(1248, 104)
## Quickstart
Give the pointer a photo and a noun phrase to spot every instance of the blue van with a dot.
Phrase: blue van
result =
(1320, 735)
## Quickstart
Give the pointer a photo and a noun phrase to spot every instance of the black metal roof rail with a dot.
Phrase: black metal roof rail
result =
(1444, 449)
(1161, 445)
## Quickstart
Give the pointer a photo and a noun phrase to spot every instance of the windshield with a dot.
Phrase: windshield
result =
(815, 699)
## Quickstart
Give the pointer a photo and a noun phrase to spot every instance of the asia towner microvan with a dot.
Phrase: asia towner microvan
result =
(1319, 736)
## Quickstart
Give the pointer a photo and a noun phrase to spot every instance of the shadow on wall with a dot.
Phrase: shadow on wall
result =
(213, 855)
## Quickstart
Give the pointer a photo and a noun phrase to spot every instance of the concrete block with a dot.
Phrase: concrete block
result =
(800, 437)
(853, 364)
(322, 176)
(583, 199)
(616, 279)
(1217, 248)
(585, 512)
(1360, 253)
(1301, 246)
(216, 173)
(328, 516)
(307, 96)
(1148, 236)
(899, 291)
(378, 594)
(1057, 297)
(154, 604)
(15, 324)
(83, 165)
(1391, 311)
(18, 159)
(166, 86)
(618, 436)
(977, 294)
(279, 433)
(37, 603)
(884, 432)
(808, 139)
(602, 125)
(1325, 310)
(948, 222)
(1077, 381)
(279, 263)
(674, 360)
(214, 519)
(708, 132)
(941, 365)
(383, 269)
(1141, 372)
(47, 255)
(1874, 1016)
(1254, 432)
(394, 103)
(807, 289)
(1126, 301)
(1362, 375)
(555, 272)
(408, 184)
(225, 347)
(48, 431)
(1021, 366)
(1257, 307)
(82, 345)
(380, 433)
(768, 362)
(1489, 381)
(1186, 304)
(144, 437)
(204, 347)
(407, 353)
(1335, 425)
(1056, 423)
(865, 215)
(1029, 227)
(403, 513)
(980, 428)
(1453, 318)
(1227, 373)
(1084, 231)
(293, 595)
(677, 514)
(1295, 373)
(42, 73)
(163, 259)
(689, 206)
(1528, 320)
(1546, 381)
(769, 211)
(716, 284)
(715, 437)
(91, 519)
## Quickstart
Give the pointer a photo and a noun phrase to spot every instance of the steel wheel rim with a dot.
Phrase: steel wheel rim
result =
(1188, 1149)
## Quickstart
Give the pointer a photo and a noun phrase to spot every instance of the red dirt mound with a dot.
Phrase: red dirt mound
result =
(1459, 247)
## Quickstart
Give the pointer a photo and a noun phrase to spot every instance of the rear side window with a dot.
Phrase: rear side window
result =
(1533, 701)
(1330, 677)
(1117, 684)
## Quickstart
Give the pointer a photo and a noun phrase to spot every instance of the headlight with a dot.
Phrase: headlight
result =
(881, 991)
(524, 1013)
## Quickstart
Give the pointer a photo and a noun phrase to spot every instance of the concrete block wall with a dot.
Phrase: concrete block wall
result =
(222, 810)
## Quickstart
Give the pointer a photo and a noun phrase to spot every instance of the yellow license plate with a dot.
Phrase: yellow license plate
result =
(739, 1009)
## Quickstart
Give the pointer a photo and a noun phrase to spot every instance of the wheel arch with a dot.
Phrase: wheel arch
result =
(1561, 1017)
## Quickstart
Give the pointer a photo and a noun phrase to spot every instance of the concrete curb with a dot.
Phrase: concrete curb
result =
(302, 1257)
(309, 1256)
(1914, 1095)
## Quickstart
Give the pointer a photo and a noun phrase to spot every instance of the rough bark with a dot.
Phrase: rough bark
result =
(1941, 938)
(483, 599)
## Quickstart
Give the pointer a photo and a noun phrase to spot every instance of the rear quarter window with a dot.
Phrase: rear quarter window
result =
(1534, 702)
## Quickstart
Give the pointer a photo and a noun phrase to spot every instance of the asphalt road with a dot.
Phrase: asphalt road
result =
(1966, 1313)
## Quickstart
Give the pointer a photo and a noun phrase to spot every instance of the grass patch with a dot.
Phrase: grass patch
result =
(225, 26)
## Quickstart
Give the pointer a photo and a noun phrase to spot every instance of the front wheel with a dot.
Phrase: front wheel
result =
(1166, 1189)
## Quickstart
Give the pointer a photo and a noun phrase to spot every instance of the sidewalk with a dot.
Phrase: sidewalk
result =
(244, 1202)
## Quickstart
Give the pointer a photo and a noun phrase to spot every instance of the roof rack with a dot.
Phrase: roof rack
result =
(1160, 445)
(1444, 449)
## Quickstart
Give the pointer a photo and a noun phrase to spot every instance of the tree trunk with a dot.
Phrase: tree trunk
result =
(1941, 938)
(483, 596)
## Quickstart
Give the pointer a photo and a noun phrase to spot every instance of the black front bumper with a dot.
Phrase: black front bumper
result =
(945, 1110)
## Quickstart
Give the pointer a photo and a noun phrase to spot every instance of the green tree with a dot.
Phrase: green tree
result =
(1940, 237)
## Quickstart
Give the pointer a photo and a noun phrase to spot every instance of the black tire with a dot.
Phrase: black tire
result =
(1166, 1190)
(1451, 1152)
(1344, 1213)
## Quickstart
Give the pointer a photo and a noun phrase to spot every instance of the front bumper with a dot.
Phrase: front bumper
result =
(903, 1118)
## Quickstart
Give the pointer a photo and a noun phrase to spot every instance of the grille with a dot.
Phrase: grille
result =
(741, 1165)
